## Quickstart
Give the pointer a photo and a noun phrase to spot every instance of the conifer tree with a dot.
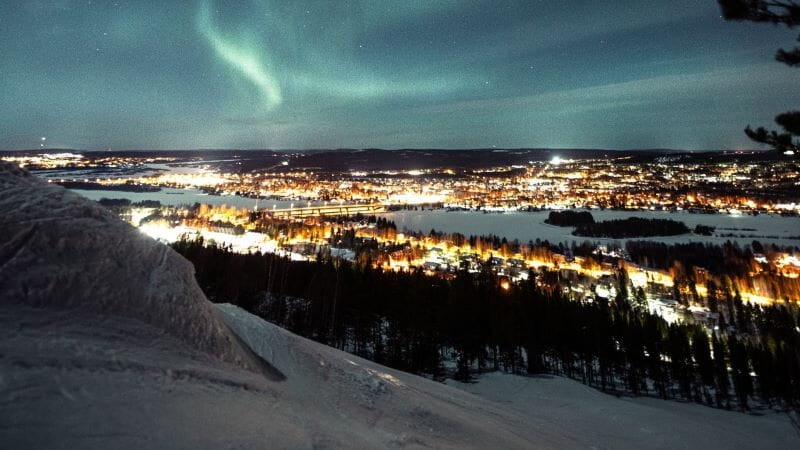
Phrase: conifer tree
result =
(776, 12)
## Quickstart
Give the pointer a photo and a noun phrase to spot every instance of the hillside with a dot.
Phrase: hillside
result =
(62, 251)
(108, 342)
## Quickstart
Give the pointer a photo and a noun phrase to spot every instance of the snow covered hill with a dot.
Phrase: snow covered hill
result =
(60, 250)
(106, 341)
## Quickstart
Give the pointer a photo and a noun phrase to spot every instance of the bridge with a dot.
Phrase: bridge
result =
(326, 210)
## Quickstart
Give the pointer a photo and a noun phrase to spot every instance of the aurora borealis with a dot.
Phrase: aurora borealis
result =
(444, 74)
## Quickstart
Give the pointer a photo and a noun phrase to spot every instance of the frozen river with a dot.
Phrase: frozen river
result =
(175, 197)
(523, 226)
(526, 226)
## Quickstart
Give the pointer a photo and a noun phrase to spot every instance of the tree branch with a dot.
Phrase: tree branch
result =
(776, 12)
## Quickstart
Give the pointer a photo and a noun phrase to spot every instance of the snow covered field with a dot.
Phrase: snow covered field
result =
(190, 196)
(526, 226)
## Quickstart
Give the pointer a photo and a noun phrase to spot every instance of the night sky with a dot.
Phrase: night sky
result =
(415, 73)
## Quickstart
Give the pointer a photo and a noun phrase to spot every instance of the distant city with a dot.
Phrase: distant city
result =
(505, 211)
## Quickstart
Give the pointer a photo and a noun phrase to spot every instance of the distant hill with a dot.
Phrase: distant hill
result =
(338, 160)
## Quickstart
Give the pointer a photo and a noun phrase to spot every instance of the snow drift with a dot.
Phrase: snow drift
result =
(60, 250)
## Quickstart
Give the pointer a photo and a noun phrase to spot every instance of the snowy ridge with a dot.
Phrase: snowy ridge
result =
(60, 250)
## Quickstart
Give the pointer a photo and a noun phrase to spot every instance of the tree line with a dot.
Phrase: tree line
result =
(631, 227)
(461, 326)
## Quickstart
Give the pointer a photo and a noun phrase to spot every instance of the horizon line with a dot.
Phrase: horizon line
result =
(332, 149)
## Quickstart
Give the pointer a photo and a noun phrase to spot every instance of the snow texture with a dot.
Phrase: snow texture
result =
(97, 350)
(60, 250)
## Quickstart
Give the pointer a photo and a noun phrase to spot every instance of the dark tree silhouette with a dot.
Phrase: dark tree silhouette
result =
(466, 324)
(777, 12)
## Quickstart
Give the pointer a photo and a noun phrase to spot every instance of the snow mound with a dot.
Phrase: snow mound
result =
(60, 250)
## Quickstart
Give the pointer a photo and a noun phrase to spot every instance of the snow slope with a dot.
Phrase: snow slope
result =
(82, 380)
(99, 349)
(59, 250)
(607, 421)
(543, 411)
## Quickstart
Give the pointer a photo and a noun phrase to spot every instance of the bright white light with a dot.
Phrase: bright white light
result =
(414, 199)
(556, 160)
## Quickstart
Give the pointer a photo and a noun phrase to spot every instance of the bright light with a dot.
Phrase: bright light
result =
(416, 199)
(556, 160)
